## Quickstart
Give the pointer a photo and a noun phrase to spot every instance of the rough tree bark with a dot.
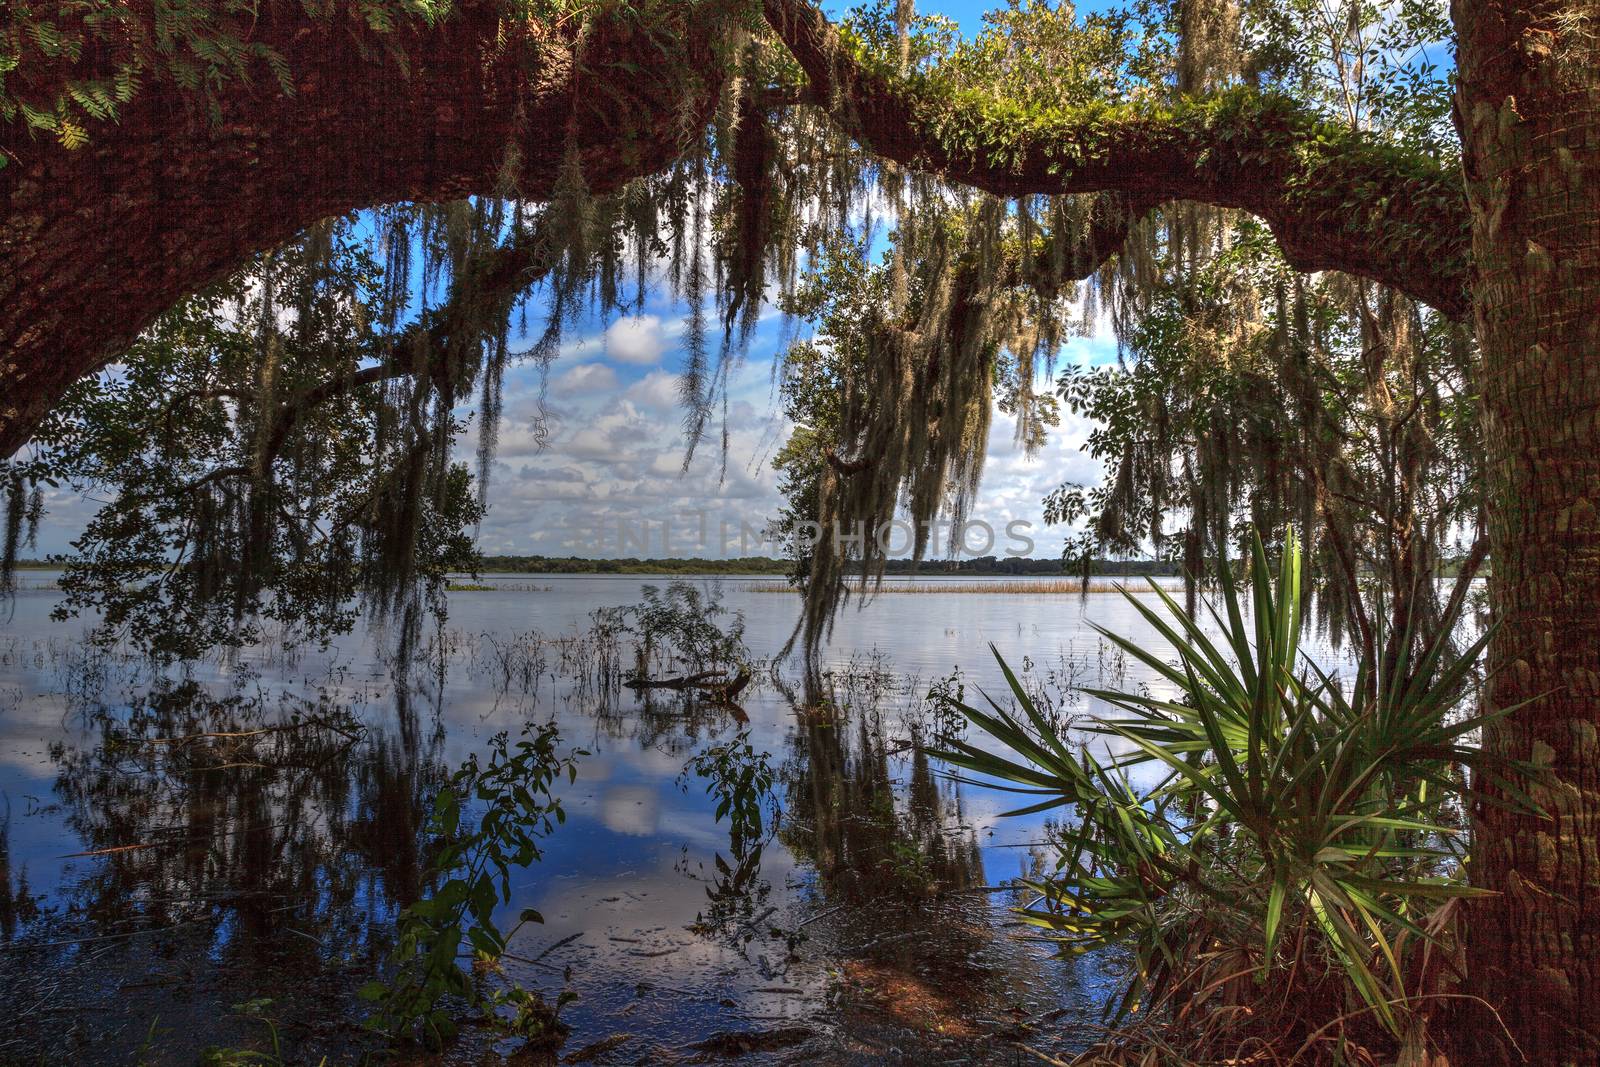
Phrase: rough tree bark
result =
(1529, 113)
(96, 242)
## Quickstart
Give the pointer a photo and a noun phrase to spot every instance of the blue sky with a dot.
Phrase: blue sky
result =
(610, 478)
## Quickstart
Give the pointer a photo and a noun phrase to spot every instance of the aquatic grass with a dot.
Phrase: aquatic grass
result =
(1021, 587)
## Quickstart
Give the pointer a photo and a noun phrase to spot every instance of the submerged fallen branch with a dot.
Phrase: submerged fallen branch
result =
(598, 1048)
(694, 681)
(729, 1044)
(1044, 1056)
(753, 924)
(177, 841)
(716, 683)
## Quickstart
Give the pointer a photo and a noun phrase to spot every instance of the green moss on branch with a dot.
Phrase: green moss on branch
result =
(1335, 199)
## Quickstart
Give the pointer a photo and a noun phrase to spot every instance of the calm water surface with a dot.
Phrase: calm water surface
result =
(161, 896)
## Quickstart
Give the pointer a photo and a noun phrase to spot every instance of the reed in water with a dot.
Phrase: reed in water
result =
(1023, 586)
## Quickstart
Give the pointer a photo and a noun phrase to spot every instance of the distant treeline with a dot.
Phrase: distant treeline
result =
(1101, 568)
(768, 565)
(630, 565)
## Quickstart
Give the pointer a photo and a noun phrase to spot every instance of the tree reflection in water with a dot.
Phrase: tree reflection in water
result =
(868, 840)
(18, 905)
(247, 847)
(903, 905)
(244, 853)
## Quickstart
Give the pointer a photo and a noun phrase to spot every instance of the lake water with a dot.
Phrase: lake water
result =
(161, 895)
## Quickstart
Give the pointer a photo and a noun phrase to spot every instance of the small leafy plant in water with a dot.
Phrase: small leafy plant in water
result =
(683, 625)
(514, 786)
(742, 780)
(944, 699)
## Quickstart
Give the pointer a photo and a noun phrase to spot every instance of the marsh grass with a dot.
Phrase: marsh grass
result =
(1021, 587)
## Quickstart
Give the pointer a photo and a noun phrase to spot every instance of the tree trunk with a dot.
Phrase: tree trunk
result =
(1529, 113)
(96, 242)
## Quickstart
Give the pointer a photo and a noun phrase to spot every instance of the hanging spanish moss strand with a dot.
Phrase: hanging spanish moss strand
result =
(967, 335)
(16, 509)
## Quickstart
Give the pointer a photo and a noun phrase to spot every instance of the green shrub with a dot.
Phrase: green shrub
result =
(1292, 878)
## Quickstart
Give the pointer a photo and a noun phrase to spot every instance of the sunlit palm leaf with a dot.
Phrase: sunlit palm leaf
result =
(1286, 799)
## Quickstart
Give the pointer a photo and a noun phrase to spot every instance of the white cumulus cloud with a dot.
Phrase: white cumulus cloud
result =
(585, 378)
(638, 339)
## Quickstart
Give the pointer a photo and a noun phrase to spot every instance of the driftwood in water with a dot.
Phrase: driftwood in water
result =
(717, 683)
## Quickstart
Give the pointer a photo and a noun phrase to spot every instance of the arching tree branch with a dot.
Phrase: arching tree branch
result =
(98, 241)
(1335, 200)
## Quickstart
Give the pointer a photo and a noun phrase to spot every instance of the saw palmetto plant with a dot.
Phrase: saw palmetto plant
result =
(1291, 880)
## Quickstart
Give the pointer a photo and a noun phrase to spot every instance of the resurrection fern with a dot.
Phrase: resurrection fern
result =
(66, 67)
